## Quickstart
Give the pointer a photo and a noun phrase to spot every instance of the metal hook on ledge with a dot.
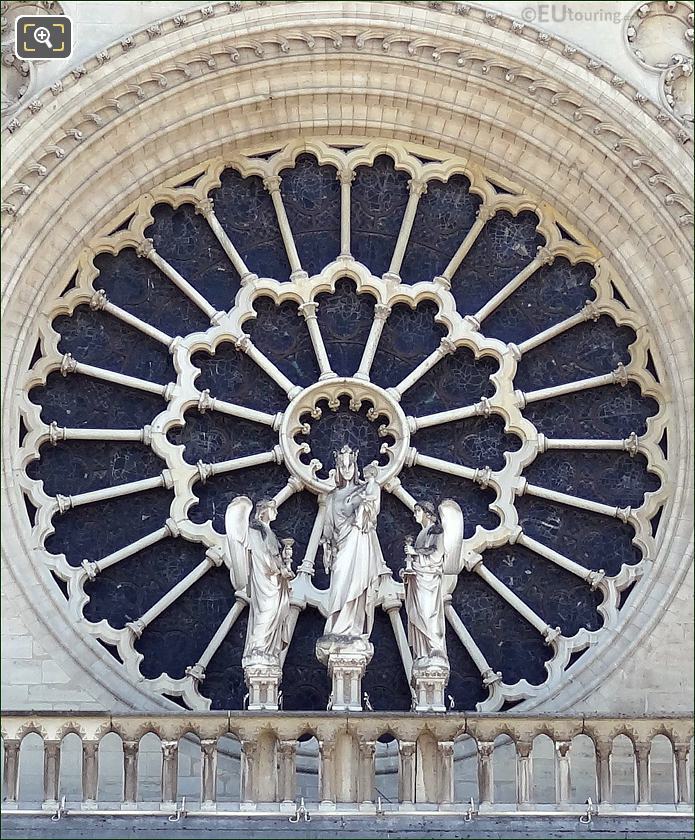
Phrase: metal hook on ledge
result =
(180, 813)
(379, 807)
(300, 812)
(470, 811)
(60, 812)
(591, 811)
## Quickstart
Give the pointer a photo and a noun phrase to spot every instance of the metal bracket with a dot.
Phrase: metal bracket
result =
(471, 811)
(591, 811)
(300, 812)
(60, 812)
(180, 813)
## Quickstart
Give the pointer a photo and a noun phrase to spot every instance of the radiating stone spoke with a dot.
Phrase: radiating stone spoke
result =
(308, 311)
(381, 313)
(67, 502)
(71, 365)
(623, 514)
(465, 412)
(147, 249)
(213, 557)
(593, 578)
(169, 529)
(208, 403)
(617, 377)
(417, 188)
(629, 444)
(272, 456)
(272, 185)
(57, 433)
(486, 672)
(205, 209)
(247, 346)
(197, 671)
(100, 301)
(446, 347)
(590, 312)
(484, 214)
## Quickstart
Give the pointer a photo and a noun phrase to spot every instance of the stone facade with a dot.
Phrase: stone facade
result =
(565, 109)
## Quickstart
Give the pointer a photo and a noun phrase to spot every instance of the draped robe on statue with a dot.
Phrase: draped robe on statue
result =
(269, 595)
(357, 561)
(423, 600)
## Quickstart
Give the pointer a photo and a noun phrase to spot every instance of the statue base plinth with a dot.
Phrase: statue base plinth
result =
(263, 675)
(347, 658)
(430, 678)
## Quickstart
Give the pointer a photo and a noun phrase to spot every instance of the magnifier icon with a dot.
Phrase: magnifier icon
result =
(43, 36)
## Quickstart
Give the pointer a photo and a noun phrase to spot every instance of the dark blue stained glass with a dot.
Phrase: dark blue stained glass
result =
(261, 482)
(296, 518)
(213, 437)
(178, 636)
(457, 380)
(126, 591)
(445, 214)
(305, 684)
(99, 339)
(550, 295)
(311, 196)
(590, 539)
(408, 337)
(335, 429)
(608, 412)
(385, 681)
(233, 376)
(506, 244)
(431, 486)
(465, 681)
(508, 642)
(80, 466)
(560, 598)
(395, 523)
(614, 478)
(224, 677)
(589, 349)
(80, 402)
(245, 211)
(118, 522)
(281, 333)
(378, 199)
(475, 442)
(139, 287)
(187, 242)
(345, 319)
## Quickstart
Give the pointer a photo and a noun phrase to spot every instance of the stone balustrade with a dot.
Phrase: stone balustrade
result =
(446, 762)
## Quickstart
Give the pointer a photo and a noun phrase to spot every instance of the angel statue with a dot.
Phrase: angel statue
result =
(435, 552)
(261, 566)
(351, 551)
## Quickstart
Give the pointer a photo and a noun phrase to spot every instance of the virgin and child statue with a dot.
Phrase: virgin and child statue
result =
(351, 551)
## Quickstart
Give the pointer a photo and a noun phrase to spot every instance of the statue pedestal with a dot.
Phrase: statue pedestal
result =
(263, 680)
(430, 677)
(347, 658)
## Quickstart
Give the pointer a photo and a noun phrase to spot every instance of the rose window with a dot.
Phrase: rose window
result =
(235, 327)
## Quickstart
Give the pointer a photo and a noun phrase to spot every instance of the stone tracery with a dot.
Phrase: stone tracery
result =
(457, 334)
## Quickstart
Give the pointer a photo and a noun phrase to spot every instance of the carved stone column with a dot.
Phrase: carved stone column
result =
(603, 772)
(286, 752)
(682, 778)
(90, 773)
(208, 747)
(406, 776)
(327, 772)
(10, 772)
(429, 681)
(446, 772)
(130, 772)
(51, 773)
(524, 779)
(564, 784)
(170, 752)
(347, 662)
(485, 777)
(263, 681)
(366, 780)
(642, 750)
(249, 770)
